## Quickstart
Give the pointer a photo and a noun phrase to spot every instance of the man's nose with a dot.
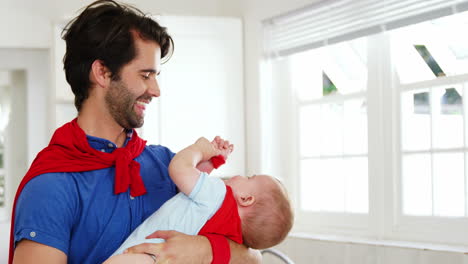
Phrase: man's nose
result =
(154, 90)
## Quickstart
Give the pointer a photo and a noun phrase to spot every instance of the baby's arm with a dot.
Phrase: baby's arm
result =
(225, 150)
(183, 167)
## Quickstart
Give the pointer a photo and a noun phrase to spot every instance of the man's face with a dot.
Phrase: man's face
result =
(128, 96)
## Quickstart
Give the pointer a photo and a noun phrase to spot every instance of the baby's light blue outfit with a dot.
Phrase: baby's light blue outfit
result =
(186, 214)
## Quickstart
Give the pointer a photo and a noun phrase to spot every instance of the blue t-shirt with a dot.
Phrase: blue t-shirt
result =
(186, 214)
(79, 214)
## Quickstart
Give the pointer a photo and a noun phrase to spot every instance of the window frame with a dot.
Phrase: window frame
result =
(385, 219)
(447, 230)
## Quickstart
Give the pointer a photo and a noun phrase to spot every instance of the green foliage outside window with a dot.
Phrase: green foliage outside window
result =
(451, 102)
(430, 61)
(328, 86)
(421, 103)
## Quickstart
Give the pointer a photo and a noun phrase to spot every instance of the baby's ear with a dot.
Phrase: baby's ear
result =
(246, 200)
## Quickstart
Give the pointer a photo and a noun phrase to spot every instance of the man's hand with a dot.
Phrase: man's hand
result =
(243, 255)
(178, 248)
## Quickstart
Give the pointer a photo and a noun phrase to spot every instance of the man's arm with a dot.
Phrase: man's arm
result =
(241, 254)
(182, 248)
(130, 258)
(28, 251)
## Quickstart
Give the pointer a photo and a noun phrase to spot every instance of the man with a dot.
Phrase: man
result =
(97, 181)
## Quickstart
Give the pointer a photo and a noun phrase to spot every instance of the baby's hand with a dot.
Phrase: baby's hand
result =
(207, 149)
(222, 146)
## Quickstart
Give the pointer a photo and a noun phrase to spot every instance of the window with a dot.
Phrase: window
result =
(330, 85)
(380, 133)
(432, 117)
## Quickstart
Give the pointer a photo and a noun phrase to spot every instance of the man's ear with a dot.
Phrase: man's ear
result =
(246, 200)
(100, 74)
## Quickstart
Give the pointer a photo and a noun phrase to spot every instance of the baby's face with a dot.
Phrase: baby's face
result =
(250, 184)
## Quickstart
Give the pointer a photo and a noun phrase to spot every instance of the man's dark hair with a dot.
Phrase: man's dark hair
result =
(103, 31)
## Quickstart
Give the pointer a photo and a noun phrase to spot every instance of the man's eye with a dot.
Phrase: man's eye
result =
(146, 76)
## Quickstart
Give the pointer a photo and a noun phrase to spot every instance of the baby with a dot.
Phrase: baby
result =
(253, 210)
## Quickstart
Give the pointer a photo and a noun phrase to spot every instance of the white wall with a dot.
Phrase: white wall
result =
(16, 138)
(27, 23)
(16, 150)
(27, 132)
(35, 64)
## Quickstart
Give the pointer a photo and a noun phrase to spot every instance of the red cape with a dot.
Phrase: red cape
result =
(69, 151)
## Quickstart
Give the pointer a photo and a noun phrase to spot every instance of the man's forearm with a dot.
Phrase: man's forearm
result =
(240, 254)
(130, 258)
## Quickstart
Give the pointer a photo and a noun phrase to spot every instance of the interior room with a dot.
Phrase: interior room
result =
(356, 107)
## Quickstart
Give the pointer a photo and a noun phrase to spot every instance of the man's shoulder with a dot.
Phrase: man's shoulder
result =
(159, 152)
(158, 148)
(52, 178)
(51, 185)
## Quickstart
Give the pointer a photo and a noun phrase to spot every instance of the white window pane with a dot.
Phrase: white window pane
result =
(331, 129)
(356, 185)
(309, 130)
(332, 180)
(311, 191)
(322, 185)
(344, 63)
(448, 47)
(417, 184)
(355, 127)
(346, 66)
(409, 64)
(449, 184)
(306, 75)
(447, 109)
(416, 120)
